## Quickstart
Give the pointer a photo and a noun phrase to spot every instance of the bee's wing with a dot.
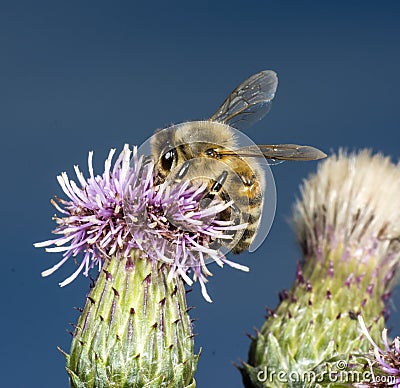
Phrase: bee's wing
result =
(249, 102)
(277, 152)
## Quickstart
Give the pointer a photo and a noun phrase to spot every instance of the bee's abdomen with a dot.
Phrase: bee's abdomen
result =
(253, 222)
(251, 208)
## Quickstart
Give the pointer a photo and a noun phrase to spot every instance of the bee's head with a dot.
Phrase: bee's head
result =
(173, 146)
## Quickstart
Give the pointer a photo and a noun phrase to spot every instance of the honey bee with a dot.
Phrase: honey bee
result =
(204, 149)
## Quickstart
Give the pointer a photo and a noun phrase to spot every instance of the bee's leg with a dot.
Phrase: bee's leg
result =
(235, 209)
(215, 189)
(182, 172)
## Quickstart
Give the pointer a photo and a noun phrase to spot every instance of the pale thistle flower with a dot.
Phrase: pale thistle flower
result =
(352, 201)
(347, 224)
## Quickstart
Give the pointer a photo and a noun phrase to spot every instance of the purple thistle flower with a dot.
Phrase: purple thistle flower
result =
(123, 210)
(387, 360)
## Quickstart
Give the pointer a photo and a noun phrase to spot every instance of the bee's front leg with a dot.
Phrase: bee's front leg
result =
(215, 189)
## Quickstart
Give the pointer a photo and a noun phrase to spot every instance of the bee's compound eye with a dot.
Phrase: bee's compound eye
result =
(167, 159)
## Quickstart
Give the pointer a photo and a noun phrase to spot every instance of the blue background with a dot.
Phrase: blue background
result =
(77, 76)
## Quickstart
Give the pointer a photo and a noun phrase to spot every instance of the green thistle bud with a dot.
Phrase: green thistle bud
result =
(134, 331)
(346, 224)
